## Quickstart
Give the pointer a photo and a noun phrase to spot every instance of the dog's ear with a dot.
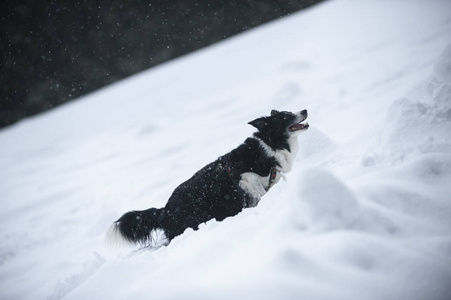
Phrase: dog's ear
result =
(273, 112)
(258, 123)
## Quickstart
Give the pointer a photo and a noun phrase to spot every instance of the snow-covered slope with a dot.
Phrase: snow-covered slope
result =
(365, 213)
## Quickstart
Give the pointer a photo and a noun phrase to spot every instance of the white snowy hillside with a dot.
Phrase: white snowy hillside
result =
(364, 214)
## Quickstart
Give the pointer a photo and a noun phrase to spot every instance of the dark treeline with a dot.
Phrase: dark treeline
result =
(55, 51)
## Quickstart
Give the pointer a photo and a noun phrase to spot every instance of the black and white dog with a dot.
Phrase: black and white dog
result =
(224, 187)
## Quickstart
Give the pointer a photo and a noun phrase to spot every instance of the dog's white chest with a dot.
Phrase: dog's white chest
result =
(285, 157)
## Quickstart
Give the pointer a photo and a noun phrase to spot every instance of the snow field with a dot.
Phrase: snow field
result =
(364, 214)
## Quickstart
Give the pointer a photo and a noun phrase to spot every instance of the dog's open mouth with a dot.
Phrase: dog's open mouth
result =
(298, 126)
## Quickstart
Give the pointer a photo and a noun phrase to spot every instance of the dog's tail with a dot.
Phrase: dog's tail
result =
(138, 227)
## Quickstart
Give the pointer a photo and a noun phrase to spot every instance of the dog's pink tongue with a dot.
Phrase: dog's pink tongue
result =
(299, 127)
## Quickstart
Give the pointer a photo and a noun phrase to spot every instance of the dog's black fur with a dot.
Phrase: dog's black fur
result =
(214, 192)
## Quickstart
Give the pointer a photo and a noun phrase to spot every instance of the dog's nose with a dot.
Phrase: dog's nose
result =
(304, 112)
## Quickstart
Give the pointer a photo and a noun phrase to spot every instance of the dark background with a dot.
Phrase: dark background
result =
(55, 51)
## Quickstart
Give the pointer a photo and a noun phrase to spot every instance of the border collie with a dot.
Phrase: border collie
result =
(222, 188)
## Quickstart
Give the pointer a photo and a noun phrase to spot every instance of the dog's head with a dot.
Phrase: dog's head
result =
(279, 127)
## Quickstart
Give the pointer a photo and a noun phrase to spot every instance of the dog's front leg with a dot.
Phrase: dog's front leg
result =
(253, 184)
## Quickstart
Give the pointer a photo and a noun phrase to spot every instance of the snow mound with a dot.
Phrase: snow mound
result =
(422, 123)
(330, 204)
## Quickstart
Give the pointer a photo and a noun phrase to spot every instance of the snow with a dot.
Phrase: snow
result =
(365, 212)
